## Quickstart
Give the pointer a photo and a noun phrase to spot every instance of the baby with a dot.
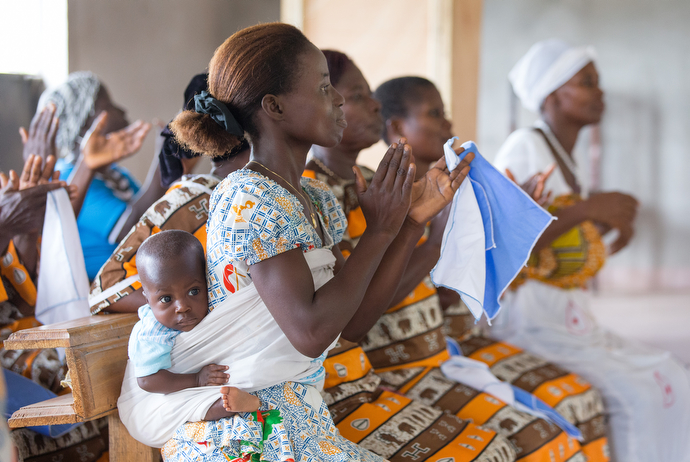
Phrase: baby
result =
(172, 270)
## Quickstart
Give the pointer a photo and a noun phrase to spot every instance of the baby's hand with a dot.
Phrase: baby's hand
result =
(212, 375)
(236, 400)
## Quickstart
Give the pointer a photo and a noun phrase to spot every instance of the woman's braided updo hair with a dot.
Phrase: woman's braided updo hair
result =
(250, 64)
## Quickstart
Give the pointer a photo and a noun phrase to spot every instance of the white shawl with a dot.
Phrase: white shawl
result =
(240, 334)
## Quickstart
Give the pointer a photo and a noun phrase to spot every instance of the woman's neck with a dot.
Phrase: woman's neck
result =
(339, 161)
(565, 131)
(226, 167)
(286, 160)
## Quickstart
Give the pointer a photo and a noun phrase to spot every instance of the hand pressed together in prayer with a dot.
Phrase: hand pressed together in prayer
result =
(386, 201)
(534, 186)
(39, 140)
(100, 149)
(435, 190)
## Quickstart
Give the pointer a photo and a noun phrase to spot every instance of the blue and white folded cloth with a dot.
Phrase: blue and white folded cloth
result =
(490, 233)
(477, 375)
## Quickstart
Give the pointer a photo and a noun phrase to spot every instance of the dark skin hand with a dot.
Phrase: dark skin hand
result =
(534, 186)
(101, 148)
(23, 211)
(33, 174)
(612, 209)
(40, 138)
(166, 382)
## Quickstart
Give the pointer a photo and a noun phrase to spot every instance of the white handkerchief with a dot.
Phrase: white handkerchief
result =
(63, 286)
(462, 263)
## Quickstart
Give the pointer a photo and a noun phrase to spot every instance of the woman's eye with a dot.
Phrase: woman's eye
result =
(325, 88)
(165, 299)
(194, 292)
(357, 97)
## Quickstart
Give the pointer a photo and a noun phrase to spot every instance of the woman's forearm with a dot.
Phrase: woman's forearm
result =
(386, 284)
(149, 193)
(421, 262)
(567, 218)
(128, 304)
(27, 250)
(166, 382)
(81, 177)
(313, 319)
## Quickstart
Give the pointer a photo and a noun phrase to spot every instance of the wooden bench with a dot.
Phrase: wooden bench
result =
(96, 354)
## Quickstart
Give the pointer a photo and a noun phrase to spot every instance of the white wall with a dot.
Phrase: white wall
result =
(146, 51)
(644, 62)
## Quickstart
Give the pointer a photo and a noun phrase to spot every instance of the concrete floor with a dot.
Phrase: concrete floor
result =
(661, 320)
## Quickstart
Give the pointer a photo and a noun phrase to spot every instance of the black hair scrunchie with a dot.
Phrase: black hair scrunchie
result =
(204, 103)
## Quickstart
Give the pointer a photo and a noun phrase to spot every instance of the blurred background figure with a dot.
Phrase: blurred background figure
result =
(93, 134)
(647, 391)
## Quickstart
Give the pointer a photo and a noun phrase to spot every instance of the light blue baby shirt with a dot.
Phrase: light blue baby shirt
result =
(150, 344)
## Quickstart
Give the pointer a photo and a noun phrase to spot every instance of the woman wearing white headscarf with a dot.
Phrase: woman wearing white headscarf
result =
(93, 134)
(647, 392)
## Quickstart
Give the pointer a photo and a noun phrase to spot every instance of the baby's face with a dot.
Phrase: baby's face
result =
(177, 295)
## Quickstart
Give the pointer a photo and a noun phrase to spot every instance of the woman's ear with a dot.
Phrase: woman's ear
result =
(394, 129)
(271, 105)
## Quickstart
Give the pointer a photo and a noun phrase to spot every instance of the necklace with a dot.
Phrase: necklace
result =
(309, 204)
(327, 170)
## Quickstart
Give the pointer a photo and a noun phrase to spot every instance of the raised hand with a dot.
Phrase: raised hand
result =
(100, 149)
(386, 201)
(35, 173)
(534, 186)
(212, 374)
(40, 138)
(436, 189)
(22, 211)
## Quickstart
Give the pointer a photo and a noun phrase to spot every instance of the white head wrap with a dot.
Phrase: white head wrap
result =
(74, 103)
(545, 68)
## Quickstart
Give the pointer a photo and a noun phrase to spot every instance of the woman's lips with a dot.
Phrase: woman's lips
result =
(341, 123)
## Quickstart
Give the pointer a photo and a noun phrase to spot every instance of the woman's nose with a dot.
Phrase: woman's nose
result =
(338, 99)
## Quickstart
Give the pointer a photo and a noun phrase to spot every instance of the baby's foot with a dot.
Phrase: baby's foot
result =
(236, 400)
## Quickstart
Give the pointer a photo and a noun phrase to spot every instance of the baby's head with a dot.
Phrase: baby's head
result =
(172, 270)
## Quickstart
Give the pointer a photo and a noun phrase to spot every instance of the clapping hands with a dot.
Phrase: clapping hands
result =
(100, 149)
(435, 190)
(386, 200)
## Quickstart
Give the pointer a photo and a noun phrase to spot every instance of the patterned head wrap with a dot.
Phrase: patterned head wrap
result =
(74, 103)
(545, 68)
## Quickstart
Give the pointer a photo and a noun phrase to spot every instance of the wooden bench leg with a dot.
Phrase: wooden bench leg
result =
(124, 448)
